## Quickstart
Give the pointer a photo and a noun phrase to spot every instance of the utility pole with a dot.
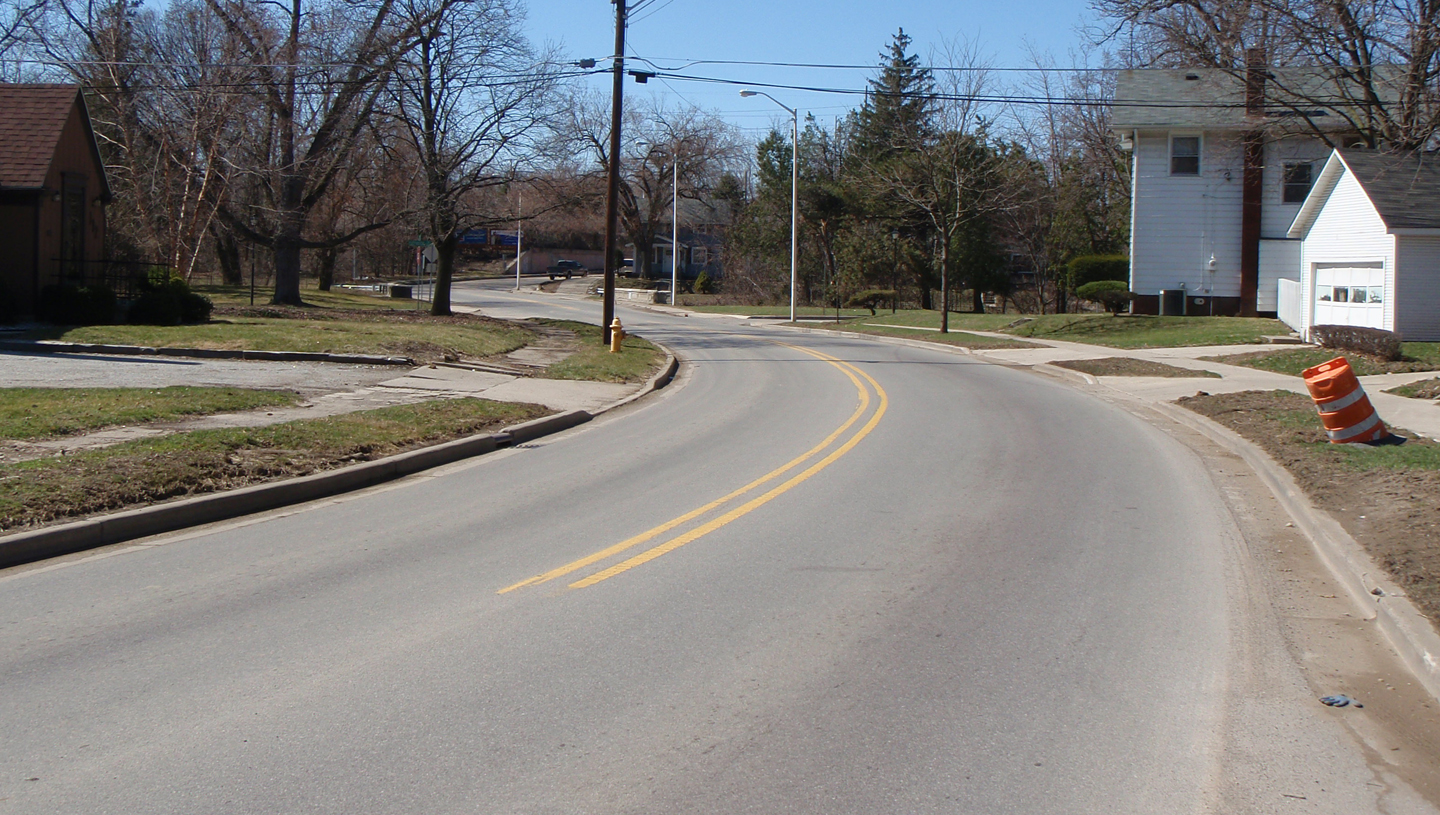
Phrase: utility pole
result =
(612, 193)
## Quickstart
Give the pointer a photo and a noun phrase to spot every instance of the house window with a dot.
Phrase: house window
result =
(697, 255)
(1185, 155)
(1298, 180)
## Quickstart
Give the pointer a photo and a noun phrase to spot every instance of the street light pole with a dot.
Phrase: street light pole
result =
(674, 225)
(794, 187)
(519, 236)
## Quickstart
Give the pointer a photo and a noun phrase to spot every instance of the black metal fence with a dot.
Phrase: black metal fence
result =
(126, 278)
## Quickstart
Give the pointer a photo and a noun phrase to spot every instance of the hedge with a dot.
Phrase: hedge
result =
(1375, 342)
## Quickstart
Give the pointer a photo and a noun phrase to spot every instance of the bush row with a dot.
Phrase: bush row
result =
(1114, 295)
(163, 300)
(1375, 342)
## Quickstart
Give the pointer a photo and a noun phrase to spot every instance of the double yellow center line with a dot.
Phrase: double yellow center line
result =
(865, 399)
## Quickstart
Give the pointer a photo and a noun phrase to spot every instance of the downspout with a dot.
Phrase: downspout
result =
(1252, 181)
(1134, 198)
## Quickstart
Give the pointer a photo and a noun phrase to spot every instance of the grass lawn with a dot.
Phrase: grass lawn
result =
(383, 332)
(779, 311)
(1143, 331)
(1127, 366)
(952, 337)
(637, 361)
(1417, 356)
(202, 461)
(1125, 331)
(921, 318)
(1424, 389)
(36, 413)
(239, 296)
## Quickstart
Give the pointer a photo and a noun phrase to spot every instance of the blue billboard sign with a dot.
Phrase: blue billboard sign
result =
(475, 237)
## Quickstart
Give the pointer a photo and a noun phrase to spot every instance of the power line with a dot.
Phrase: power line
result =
(994, 99)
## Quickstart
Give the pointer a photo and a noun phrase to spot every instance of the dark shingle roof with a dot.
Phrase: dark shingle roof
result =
(31, 120)
(1210, 99)
(1404, 187)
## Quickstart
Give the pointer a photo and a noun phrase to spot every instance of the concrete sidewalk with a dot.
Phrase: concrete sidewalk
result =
(1419, 416)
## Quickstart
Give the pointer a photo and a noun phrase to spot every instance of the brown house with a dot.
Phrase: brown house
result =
(53, 192)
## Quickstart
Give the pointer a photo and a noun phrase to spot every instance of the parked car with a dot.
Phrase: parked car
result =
(567, 268)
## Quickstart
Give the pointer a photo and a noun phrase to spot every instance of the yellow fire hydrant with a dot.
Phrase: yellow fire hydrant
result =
(617, 333)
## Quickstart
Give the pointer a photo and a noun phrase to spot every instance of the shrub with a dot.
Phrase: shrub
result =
(64, 304)
(1087, 269)
(870, 298)
(1114, 295)
(166, 300)
(1374, 342)
(704, 283)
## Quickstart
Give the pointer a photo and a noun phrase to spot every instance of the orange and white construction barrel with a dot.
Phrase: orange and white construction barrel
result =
(1344, 408)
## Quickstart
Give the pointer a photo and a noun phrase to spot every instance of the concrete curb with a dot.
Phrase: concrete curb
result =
(57, 347)
(27, 547)
(78, 536)
(1409, 632)
(659, 380)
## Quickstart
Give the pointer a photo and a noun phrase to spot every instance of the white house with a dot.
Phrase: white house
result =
(1369, 235)
(1221, 165)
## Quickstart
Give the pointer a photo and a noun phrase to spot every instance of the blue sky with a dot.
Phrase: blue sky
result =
(671, 32)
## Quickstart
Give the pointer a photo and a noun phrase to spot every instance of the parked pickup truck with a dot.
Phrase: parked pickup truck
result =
(566, 268)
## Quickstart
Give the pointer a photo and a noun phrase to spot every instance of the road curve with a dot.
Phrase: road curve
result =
(819, 575)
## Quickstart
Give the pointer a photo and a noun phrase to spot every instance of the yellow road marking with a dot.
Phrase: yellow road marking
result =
(695, 513)
(755, 503)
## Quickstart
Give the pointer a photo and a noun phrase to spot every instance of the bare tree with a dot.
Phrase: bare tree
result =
(467, 98)
(17, 23)
(697, 144)
(1373, 64)
(319, 72)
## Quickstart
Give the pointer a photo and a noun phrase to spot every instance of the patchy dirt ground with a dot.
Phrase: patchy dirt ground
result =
(1424, 389)
(1387, 497)
(1129, 366)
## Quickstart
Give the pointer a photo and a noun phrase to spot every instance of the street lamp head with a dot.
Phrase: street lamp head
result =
(749, 93)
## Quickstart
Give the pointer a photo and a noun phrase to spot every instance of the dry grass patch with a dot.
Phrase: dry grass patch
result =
(384, 332)
(1128, 366)
(37, 413)
(1386, 497)
(1424, 389)
(202, 461)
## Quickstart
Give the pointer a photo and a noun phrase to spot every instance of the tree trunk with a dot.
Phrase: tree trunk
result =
(287, 271)
(444, 273)
(945, 287)
(978, 299)
(326, 271)
(227, 252)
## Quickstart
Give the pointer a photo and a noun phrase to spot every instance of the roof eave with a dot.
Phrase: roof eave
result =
(1319, 194)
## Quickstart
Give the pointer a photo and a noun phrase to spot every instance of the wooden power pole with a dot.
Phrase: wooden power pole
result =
(612, 192)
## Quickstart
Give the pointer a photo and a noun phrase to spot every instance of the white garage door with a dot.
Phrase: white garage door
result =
(1350, 297)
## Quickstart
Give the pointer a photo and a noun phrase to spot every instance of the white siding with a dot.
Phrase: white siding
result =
(1347, 230)
(1178, 222)
(1288, 301)
(1417, 288)
(1276, 215)
(1279, 259)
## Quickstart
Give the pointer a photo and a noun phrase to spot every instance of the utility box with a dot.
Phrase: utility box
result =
(401, 291)
(1172, 302)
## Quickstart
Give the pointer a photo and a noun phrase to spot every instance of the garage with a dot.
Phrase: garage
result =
(1369, 234)
(1349, 295)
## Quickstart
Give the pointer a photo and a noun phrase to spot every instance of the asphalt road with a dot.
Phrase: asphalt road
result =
(967, 589)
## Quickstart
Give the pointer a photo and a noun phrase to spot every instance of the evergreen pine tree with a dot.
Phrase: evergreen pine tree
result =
(899, 107)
